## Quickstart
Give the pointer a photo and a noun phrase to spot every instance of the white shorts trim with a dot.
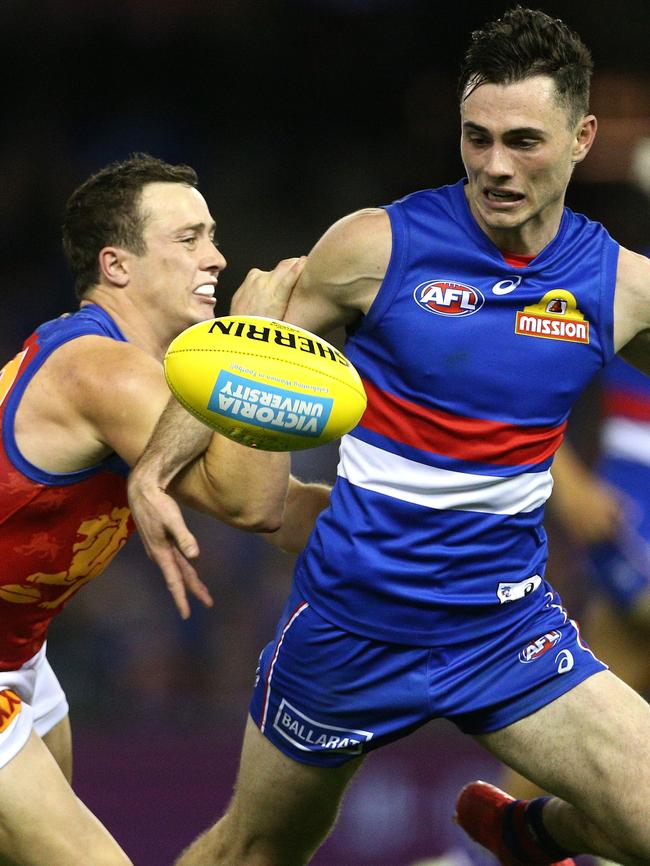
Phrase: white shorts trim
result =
(43, 703)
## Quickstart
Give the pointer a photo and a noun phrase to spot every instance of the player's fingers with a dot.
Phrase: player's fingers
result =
(177, 530)
(165, 559)
(288, 277)
(166, 520)
(192, 581)
(267, 293)
(281, 283)
(287, 271)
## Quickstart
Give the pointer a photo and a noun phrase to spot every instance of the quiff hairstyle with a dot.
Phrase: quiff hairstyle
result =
(105, 211)
(524, 43)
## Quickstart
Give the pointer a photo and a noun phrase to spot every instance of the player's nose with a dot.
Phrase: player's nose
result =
(214, 259)
(498, 162)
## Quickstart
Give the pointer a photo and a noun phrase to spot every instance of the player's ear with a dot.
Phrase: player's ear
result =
(114, 266)
(585, 135)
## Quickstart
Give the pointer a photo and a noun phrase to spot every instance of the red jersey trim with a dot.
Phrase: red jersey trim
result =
(471, 439)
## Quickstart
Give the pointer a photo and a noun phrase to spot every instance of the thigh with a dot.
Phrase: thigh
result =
(288, 805)
(591, 747)
(59, 742)
(42, 822)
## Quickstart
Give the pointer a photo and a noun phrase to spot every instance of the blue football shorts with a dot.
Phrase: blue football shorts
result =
(324, 695)
(621, 568)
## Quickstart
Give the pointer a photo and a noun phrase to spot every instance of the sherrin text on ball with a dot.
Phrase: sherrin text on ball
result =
(265, 383)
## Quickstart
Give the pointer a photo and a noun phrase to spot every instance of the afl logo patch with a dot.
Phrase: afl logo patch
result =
(448, 298)
(539, 647)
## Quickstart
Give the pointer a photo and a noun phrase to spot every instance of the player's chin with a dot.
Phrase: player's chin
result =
(510, 219)
(202, 309)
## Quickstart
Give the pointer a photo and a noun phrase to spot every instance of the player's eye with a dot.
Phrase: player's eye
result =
(526, 143)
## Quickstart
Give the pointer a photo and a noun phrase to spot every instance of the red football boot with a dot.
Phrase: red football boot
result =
(481, 811)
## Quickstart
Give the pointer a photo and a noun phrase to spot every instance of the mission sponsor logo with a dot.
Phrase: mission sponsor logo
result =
(312, 736)
(537, 648)
(555, 317)
(448, 298)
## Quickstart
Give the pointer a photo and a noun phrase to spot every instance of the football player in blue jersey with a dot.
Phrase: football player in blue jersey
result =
(604, 509)
(476, 315)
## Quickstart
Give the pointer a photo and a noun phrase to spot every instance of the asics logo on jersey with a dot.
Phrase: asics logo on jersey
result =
(504, 287)
(448, 298)
(537, 648)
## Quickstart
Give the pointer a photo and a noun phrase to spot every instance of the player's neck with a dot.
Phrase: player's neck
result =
(140, 327)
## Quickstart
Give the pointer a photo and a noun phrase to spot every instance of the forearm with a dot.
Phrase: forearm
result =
(242, 486)
(176, 441)
(303, 505)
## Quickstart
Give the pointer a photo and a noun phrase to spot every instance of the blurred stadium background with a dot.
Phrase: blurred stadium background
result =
(294, 112)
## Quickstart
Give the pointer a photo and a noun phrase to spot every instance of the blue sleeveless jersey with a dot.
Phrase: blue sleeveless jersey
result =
(89, 319)
(434, 533)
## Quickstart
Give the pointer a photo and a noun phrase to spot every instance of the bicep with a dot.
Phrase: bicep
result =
(632, 309)
(343, 273)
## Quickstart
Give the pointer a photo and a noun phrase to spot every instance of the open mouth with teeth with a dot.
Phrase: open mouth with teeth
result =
(205, 291)
(502, 195)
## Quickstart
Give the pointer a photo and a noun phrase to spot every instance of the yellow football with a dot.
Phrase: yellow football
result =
(264, 383)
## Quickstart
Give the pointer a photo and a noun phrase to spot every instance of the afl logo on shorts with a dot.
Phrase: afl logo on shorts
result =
(537, 648)
(448, 298)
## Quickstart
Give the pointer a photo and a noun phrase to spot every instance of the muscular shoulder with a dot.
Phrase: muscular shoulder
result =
(97, 363)
(632, 299)
(343, 271)
(93, 395)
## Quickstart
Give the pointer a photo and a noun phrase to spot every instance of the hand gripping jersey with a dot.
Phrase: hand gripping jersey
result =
(471, 366)
(58, 531)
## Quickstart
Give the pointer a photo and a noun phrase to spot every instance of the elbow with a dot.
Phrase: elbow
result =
(258, 519)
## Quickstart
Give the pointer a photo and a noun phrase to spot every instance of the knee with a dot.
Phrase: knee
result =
(230, 841)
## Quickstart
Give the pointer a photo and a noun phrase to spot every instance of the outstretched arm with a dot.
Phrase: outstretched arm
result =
(241, 486)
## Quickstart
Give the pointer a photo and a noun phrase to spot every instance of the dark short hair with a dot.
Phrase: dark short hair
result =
(524, 43)
(105, 211)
